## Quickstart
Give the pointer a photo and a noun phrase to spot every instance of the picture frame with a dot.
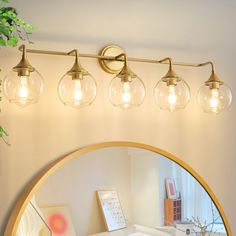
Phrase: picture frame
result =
(59, 221)
(111, 209)
(171, 189)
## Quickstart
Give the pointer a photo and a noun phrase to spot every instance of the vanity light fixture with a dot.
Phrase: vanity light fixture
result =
(171, 92)
(78, 88)
(126, 90)
(23, 85)
(214, 96)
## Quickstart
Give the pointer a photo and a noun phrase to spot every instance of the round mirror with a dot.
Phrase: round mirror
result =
(117, 189)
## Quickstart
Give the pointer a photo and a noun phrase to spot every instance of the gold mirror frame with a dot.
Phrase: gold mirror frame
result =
(42, 176)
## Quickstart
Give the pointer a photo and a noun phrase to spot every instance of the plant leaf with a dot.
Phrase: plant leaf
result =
(13, 40)
(12, 27)
(2, 42)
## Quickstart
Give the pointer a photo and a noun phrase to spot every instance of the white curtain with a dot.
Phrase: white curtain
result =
(195, 200)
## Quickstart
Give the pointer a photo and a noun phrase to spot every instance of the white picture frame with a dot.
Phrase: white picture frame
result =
(111, 208)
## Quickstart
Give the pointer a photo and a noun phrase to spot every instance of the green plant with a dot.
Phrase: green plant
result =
(3, 133)
(12, 30)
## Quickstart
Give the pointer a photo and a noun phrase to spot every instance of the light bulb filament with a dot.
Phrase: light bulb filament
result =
(172, 98)
(23, 90)
(78, 94)
(214, 100)
(126, 95)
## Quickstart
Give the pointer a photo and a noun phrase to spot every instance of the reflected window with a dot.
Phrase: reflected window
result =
(197, 203)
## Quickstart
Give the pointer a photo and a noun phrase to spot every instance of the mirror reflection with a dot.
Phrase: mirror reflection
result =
(121, 191)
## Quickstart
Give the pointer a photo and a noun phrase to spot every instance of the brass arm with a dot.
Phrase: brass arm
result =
(121, 57)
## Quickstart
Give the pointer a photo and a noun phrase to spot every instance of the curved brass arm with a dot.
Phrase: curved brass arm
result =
(75, 53)
(166, 59)
(208, 63)
(124, 56)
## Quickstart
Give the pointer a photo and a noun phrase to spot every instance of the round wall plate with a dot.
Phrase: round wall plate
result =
(112, 67)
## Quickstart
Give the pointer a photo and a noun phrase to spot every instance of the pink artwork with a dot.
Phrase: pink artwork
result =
(170, 189)
(59, 221)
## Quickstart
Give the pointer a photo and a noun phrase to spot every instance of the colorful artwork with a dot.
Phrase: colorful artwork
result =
(112, 211)
(59, 221)
(170, 189)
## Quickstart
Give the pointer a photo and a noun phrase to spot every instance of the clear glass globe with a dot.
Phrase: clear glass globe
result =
(23, 90)
(172, 97)
(126, 94)
(79, 92)
(214, 100)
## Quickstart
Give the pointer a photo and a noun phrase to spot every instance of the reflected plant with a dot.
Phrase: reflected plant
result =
(203, 228)
(12, 30)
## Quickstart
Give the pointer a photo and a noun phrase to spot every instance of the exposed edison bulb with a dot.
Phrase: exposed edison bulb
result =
(126, 96)
(172, 98)
(23, 92)
(77, 88)
(214, 99)
(126, 90)
(78, 94)
(23, 85)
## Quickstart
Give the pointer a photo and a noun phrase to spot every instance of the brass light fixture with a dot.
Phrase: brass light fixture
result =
(23, 85)
(171, 92)
(77, 88)
(126, 90)
(214, 96)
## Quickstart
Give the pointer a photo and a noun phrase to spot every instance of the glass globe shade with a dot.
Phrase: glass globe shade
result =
(23, 90)
(172, 97)
(214, 100)
(78, 92)
(126, 94)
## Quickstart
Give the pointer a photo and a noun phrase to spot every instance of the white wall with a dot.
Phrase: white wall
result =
(192, 31)
(145, 188)
(75, 185)
(148, 174)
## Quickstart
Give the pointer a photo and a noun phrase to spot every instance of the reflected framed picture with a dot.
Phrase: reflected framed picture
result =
(59, 220)
(171, 189)
(111, 209)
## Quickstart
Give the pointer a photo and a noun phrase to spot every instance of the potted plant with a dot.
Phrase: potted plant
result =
(12, 30)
